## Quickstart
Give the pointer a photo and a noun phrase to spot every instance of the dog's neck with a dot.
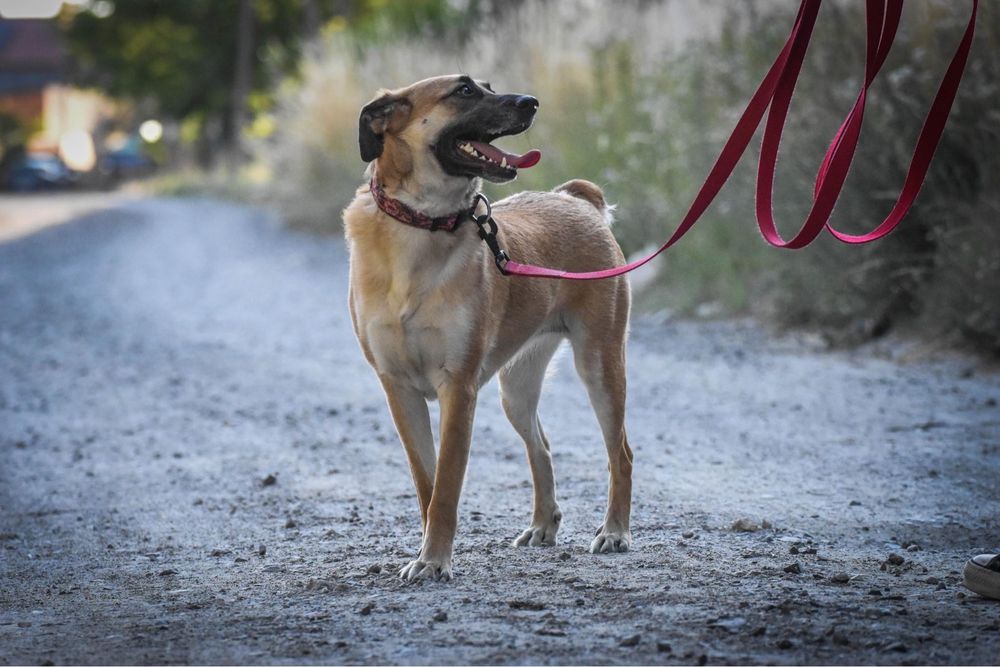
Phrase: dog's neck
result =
(439, 198)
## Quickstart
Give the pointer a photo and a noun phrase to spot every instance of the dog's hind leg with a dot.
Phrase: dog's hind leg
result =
(599, 354)
(520, 388)
(413, 423)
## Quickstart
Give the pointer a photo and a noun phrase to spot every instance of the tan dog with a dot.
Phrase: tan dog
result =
(436, 319)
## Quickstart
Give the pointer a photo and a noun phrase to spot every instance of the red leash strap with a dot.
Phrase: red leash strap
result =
(775, 93)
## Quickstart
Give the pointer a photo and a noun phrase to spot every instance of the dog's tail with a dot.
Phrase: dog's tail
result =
(590, 193)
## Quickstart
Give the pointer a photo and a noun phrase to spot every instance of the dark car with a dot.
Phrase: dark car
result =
(125, 163)
(39, 171)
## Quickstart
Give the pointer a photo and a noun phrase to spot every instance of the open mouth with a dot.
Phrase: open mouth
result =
(489, 153)
(478, 157)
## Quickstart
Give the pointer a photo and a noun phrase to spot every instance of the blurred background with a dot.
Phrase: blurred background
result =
(257, 100)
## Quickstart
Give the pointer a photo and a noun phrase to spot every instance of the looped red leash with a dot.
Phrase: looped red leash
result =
(773, 97)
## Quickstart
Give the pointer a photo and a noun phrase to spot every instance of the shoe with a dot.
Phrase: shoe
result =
(982, 575)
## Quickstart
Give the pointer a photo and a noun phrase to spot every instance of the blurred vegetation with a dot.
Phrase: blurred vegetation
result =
(645, 120)
(640, 96)
(184, 59)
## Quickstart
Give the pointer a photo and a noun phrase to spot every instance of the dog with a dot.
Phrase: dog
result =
(436, 320)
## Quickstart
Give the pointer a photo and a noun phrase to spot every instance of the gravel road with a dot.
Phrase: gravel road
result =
(198, 467)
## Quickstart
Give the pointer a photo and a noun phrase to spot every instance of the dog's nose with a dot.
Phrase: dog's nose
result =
(525, 101)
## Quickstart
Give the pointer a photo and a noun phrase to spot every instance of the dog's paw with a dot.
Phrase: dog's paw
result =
(540, 534)
(434, 570)
(609, 541)
(537, 536)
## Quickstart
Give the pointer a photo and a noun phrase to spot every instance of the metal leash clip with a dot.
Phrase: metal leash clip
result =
(488, 231)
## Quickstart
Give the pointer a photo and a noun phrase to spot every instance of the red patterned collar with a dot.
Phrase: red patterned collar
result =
(406, 215)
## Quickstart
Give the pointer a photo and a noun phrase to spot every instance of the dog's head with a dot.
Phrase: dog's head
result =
(442, 127)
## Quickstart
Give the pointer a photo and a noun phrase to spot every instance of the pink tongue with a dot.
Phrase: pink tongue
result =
(529, 159)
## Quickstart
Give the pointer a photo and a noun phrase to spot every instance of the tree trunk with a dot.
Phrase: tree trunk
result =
(242, 79)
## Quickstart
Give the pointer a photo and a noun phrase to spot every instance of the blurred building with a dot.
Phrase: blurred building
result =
(59, 118)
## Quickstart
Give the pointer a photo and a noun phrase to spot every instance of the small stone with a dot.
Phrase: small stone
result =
(895, 559)
(580, 602)
(167, 573)
(530, 605)
(876, 592)
(854, 503)
(565, 555)
(745, 525)
(664, 647)
(367, 609)
(913, 547)
(759, 631)
(291, 524)
(217, 553)
(898, 647)
(794, 568)
(933, 581)
(270, 480)
(375, 569)
(785, 644)
(687, 534)
(840, 578)
(794, 550)
(630, 641)
(440, 616)
(262, 550)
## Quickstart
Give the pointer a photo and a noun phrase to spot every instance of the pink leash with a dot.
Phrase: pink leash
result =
(775, 93)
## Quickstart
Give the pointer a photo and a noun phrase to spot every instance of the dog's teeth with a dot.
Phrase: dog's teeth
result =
(503, 163)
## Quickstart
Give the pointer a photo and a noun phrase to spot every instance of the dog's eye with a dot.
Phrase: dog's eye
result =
(465, 91)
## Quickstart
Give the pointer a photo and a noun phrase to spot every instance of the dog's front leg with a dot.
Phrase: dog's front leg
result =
(413, 424)
(458, 405)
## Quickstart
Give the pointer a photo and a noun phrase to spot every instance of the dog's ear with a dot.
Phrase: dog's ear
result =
(385, 113)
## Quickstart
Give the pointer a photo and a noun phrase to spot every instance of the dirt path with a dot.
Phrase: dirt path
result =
(159, 361)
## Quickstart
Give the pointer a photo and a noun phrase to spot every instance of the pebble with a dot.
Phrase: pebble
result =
(745, 525)
(895, 559)
(794, 568)
(440, 616)
(167, 573)
(785, 644)
(687, 534)
(375, 569)
(270, 480)
(262, 550)
(840, 578)
(664, 647)
(530, 605)
(291, 523)
(630, 641)
(367, 609)
(565, 555)
(933, 581)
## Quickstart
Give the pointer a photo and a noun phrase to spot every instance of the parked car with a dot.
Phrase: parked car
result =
(125, 163)
(39, 171)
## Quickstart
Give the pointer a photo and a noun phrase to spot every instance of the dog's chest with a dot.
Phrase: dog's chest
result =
(414, 338)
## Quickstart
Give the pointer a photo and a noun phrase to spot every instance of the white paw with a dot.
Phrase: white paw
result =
(537, 536)
(609, 541)
(435, 570)
(540, 534)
